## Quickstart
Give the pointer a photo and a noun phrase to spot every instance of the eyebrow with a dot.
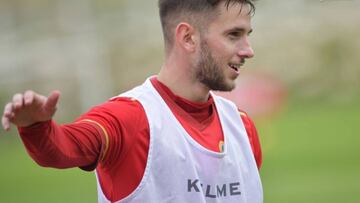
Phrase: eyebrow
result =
(239, 29)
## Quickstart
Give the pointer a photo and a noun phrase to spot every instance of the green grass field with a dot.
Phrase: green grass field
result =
(311, 154)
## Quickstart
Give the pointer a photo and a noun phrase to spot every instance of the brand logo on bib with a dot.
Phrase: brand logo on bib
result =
(214, 191)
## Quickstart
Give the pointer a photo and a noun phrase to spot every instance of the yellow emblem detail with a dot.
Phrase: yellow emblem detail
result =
(221, 146)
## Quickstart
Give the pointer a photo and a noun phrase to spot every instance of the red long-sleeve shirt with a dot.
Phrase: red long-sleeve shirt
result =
(114, 138)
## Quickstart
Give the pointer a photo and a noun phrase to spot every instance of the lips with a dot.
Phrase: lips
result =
(235, 67)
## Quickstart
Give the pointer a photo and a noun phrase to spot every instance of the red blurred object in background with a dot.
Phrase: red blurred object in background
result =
(258, 94)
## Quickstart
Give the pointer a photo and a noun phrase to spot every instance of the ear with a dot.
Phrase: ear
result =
(185, 36)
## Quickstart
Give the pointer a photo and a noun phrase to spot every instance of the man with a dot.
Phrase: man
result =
(170, 139)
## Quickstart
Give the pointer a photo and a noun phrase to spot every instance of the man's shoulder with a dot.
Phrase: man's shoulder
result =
(124, 104)
(121, 109)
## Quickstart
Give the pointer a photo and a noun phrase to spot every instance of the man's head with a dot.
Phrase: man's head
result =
(209, 38)
(199, 13)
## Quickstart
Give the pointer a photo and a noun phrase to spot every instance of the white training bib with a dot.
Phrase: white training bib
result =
(180, 170)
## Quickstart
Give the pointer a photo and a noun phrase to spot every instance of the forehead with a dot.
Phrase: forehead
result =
(232, 16)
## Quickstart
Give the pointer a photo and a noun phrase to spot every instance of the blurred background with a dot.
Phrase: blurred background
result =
(302, 88)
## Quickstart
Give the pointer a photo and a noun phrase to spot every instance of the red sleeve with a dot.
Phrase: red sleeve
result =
(63, 146)
(85, 143)
(253, 137)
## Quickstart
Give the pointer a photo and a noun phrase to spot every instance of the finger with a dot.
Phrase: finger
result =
(38, 100)
(8, 110)
(29, 97)
(5, 123)
(5, 119)
(18, 101)
(52, 100)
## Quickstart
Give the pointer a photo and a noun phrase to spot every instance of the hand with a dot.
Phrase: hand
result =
(29, 108)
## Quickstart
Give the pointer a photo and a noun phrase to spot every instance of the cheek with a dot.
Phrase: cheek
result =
(223, 50)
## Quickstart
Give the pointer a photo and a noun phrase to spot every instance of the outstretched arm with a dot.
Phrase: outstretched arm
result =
(50, 144)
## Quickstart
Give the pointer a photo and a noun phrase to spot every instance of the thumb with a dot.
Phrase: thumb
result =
(52, 100)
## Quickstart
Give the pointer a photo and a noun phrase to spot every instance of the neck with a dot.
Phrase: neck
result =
(180, 80)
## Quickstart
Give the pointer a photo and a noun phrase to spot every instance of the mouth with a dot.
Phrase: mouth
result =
(235, 67)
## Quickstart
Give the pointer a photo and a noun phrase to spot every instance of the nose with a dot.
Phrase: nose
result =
(245, 50)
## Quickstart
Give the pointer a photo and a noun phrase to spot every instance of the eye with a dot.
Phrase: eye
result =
(234, 35)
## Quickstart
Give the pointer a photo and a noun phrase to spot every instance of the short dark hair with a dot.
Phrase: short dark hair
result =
(199, 12)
